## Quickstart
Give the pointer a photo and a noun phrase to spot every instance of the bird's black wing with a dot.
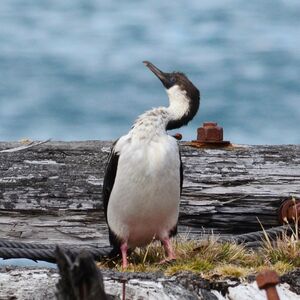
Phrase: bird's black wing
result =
(181, 173)
(173, 232)
(108, 183)
(109, 178)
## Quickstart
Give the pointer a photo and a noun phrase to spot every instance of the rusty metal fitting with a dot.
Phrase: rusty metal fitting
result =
(210, 135)
(210, 132)
(289, 211)
(268, 280)
(178, 136)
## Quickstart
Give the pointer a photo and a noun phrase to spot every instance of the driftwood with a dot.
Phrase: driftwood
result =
(51, 193)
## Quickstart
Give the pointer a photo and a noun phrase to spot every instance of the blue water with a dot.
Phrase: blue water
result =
(71, 69)
(23, 262)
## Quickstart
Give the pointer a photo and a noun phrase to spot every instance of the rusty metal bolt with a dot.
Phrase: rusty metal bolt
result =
(210, 135)
(210, 132)
(268, 280)
(289, 211)
(178, 136)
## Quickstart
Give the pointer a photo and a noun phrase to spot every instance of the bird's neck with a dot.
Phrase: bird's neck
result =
(178, 109)
(157, 120)
(151, 123)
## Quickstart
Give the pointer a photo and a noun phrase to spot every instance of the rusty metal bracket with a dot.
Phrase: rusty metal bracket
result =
(177, 136)
(289, 211)
(268, 280)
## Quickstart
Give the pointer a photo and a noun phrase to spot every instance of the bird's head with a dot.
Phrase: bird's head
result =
(183, 95)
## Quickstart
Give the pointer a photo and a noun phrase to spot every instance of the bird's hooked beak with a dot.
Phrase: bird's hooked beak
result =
(163, 77)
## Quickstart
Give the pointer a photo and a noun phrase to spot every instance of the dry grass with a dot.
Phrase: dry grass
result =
(211, 258)
(285, 250)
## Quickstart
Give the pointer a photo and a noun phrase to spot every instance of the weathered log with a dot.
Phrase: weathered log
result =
(52, 192)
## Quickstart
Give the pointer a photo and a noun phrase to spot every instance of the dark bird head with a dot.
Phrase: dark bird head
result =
(183, 95)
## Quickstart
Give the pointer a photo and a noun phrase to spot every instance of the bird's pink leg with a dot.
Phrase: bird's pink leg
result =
(169, 250)
(124, 248)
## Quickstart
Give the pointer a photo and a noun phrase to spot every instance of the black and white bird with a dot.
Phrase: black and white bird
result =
(143, 179)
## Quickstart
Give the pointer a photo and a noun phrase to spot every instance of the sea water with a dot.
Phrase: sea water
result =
(71, 70)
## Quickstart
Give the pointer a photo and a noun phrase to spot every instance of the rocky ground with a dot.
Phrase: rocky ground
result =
(37, 283)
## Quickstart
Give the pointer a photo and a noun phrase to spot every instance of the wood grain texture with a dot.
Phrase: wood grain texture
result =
(51, 193)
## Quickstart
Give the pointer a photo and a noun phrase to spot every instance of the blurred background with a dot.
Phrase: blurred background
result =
(71, 69)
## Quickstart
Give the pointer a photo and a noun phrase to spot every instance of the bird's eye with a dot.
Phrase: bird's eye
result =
(173, 79)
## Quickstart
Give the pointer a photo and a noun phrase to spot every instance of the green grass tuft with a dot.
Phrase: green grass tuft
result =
(210, 257)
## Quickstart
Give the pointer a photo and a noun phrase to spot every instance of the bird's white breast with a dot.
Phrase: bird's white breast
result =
(145, 198)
